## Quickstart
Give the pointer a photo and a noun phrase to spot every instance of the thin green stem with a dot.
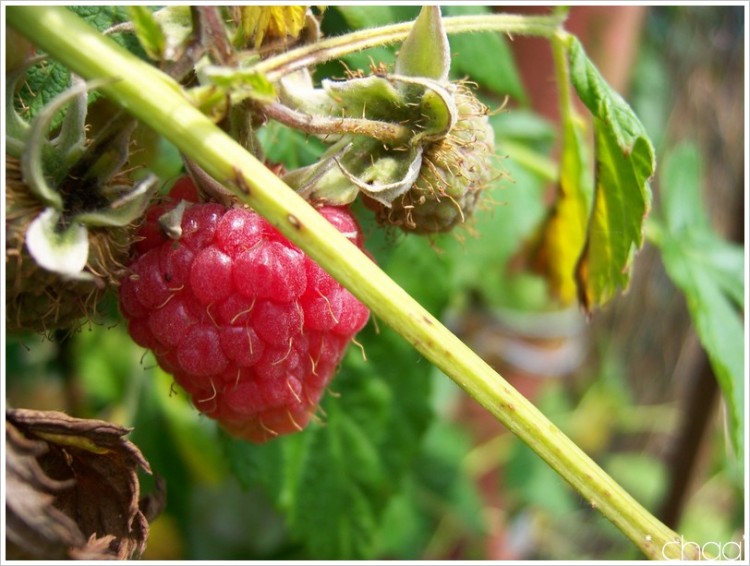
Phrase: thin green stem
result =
(562, 76)
(153, 98)
(335, 47)
(538, 164)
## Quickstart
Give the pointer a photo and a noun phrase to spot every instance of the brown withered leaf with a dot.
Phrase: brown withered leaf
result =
(73, 489)
(35, 528)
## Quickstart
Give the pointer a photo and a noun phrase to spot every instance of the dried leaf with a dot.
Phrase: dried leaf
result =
(34, 527)
(73, 488)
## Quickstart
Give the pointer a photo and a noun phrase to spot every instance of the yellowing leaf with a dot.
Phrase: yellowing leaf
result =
(624, 164)
(259, 22)
(565, 231)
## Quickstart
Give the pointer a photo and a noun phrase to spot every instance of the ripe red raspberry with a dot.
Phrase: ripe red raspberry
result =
(250, 326)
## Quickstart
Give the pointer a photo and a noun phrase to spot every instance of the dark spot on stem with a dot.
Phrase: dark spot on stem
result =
(239, 181)
(294, 221)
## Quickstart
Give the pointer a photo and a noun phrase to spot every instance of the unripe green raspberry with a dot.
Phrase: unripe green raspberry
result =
(455, 170)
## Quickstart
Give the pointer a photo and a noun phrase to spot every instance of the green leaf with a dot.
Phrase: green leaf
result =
(148, 31)
(724, 261)
(42, 83)
(335, 510)
(438, 491)
(643, 475)
(363, 16)
(47, 80)
(603, 102)
(440, 471)
(288, 146)
(263, 464)
(683, 211)
(487, 60)
(621, 203)
(425, 52)
(710, 272)
(681, 198)
(624, 164)
(193, 439)
(719, 327)
(333, 481)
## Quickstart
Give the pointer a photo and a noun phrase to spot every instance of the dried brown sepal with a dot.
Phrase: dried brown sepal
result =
(73, 488)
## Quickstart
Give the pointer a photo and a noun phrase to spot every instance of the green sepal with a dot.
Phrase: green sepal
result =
(176, 23)
(72, 137)
(124, 209)
(426, 51)
(108, 152)
(380, 173)
(16, 128)
(148, 31)
(171, 221)
(417, 97)
(211, 100)
(438, 112)
(358, 164)
(240, 83)
(41, 159)
(64, 251)
(296, 90)
(316, 182)
(371, 97)
(33, 157)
